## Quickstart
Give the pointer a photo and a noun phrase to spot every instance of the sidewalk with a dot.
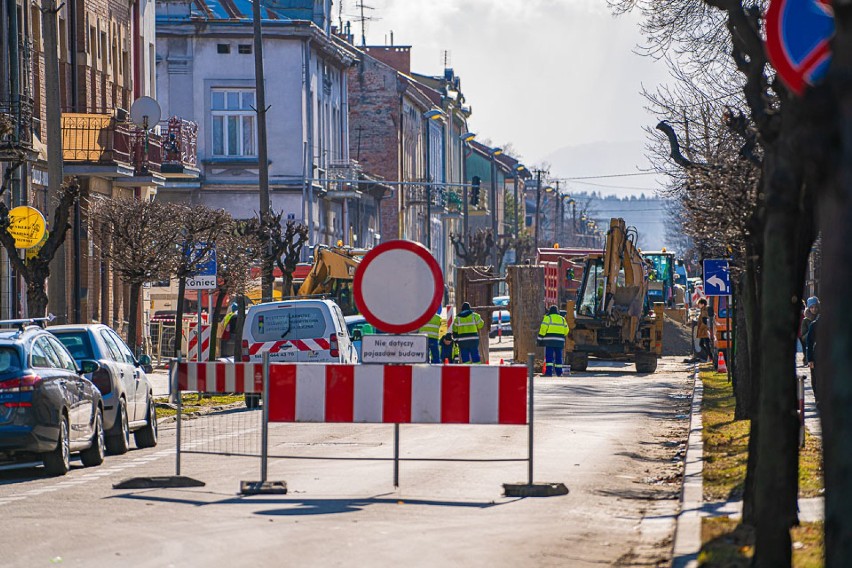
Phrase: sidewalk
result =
(687, 541)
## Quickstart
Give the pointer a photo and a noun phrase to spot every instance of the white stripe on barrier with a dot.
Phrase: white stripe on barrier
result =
(248, 377)
(192, 378)
(426, 394)
(310, 394)
(369, 394)
(230, 378)
(484, 396)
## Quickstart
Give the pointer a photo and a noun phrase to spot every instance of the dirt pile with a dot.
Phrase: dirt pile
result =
(677, 338)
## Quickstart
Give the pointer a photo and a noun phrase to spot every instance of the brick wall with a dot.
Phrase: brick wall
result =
(398, 57)
(374, 108)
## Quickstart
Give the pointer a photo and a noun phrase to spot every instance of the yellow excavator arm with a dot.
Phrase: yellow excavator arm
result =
(330, 264)
(625, 283)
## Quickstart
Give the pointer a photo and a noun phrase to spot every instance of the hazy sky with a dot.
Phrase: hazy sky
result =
(559, 80)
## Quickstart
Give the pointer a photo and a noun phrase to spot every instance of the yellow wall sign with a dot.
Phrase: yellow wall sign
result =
(32, 252)
(27, 226)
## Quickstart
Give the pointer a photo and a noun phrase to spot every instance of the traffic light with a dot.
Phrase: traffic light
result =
(474, 194)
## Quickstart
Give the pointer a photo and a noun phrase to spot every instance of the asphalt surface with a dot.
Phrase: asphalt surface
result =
(612, 436)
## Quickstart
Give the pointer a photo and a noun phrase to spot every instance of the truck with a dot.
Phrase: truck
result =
(563, 271)
(332, 276)
(611, 317)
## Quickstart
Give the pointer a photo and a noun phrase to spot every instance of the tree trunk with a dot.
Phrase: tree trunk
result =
(751, 308)
(741, 350)
(179, 316)
(133, 316)
(526, 293)
(834, 356)
(776, 480)
(36, 276)
(214, 323)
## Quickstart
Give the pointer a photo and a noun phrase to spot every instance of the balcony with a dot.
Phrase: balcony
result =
(180, 147)
(99, 145)
(16, 135)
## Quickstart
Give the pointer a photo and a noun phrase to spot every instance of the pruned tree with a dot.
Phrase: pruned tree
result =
(36, 270)
(281, 245)
(477, 248)
(711, 40)
(200, 229)
(138, 237)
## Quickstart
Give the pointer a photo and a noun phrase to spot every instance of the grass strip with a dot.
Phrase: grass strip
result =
(198, 404)
(726, 542)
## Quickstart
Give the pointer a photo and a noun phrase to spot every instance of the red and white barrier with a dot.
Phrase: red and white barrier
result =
(417, 394)
(192, 345)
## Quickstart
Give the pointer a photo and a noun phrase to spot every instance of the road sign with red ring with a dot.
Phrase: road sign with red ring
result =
(398, 286)
(798, 40)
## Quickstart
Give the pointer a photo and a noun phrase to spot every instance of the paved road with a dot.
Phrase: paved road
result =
(610, 435)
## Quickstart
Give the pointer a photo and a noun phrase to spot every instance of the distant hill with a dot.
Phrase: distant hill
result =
(645, 213)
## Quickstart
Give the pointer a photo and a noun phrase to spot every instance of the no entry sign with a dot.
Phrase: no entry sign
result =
(398, 286)
(798, 34)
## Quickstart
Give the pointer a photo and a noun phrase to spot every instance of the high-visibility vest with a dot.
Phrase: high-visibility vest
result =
(553, 325)
(433, 328)
(467, 327)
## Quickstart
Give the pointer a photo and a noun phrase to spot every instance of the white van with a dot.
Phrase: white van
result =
(297, 331)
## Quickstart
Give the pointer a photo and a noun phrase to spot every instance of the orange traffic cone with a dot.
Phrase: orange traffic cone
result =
(501, 361)
(544, 368)
(446, 361)
(721, 367)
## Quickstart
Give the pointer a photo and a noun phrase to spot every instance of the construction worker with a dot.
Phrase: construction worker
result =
(432, 330)
(552, 335)
(466, 328)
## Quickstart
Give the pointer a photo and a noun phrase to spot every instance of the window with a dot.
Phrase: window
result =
(289, 322)
(233, 122)
(123, 348)
(65, 361)
(43, 355)
(244, 49)
(78, 343)
(223, 48)
(112, 348)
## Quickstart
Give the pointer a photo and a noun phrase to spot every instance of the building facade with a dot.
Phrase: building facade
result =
(206, 73)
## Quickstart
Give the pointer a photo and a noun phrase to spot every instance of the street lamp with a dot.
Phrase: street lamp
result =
(432, 114)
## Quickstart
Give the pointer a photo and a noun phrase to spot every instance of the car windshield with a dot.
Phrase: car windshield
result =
(10, 361)
(77, 342)
(289, 322)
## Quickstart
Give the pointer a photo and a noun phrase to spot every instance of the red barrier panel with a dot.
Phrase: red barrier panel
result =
(419, 394)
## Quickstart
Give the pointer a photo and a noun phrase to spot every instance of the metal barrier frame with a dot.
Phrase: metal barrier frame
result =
(264, 457)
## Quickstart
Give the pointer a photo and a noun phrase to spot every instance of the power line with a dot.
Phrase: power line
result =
(606, 176)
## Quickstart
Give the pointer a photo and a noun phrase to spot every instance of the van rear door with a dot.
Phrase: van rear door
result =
(289, 333)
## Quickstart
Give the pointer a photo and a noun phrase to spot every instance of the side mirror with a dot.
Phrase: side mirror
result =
(356, 335)
(88, 366)
(145, 363)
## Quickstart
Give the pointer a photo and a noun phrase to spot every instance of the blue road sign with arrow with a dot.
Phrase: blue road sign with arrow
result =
(717, 278)
(205, 274)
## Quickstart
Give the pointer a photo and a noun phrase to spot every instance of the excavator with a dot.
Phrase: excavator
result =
(611, 317)
(332, 274)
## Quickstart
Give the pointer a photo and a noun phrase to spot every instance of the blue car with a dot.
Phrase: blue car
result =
(48, 409)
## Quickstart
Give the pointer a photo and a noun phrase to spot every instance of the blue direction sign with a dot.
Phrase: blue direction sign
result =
(717, 278)
(798, 37)
(205, 276)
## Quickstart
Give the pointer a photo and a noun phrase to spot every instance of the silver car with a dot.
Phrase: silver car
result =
(126, 391)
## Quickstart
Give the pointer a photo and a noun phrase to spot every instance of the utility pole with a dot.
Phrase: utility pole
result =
(538, 215)
(263, 165)
(557, 223)
(57, 280)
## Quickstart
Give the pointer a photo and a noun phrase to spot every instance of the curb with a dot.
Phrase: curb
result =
(687, 539)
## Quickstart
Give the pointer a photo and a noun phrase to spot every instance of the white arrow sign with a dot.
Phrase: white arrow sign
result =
(717, 282)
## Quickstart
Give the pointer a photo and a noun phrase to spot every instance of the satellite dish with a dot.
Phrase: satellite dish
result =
(145, 112)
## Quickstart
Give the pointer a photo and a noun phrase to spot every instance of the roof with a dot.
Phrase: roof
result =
(241, 10)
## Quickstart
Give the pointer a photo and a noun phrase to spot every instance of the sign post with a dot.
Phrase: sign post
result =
(203, 279)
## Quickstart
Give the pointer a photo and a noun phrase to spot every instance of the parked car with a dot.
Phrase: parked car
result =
(48, 409)
(121, 379)
(296, 331)
(501, 321)
(500, 300)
